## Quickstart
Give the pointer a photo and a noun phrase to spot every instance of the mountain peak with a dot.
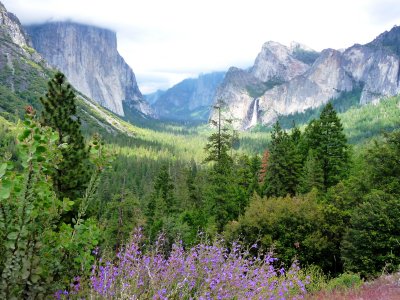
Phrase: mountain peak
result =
(89, 58)
(295, 46)
(10, 25)
(389, 40)
(276, 62)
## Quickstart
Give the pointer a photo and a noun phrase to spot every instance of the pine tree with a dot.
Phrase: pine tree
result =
(72, 175)
(255, 169)
(164, 189)
(193, 194)
(242, 189)
(161, 203)
(220, 177)
(284, 163)
(329, 142)
(312, 175)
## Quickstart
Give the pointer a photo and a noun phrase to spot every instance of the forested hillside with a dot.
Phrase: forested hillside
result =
(95, 207)
(305, 193)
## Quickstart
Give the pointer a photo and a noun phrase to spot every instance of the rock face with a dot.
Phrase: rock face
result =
(10, 26)
(17, 59)
(189, 100)
(286, 80)
(89, 58)
(241, 89)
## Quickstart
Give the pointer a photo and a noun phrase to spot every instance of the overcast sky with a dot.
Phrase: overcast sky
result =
(165, 41)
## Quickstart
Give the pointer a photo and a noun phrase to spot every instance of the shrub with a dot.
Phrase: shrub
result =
(371, 243)
(205, 271)
(345, 281)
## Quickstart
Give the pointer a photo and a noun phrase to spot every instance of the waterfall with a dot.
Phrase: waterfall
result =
(253, 120)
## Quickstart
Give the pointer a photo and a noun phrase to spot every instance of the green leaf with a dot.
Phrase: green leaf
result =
(5, 192)
(6, 183)
(9, 245)
(54, 137)
(12, 236)
(3, 168)
(40, 149)
(24, 135)
(35, 278)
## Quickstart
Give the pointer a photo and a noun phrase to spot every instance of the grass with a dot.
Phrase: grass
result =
(386, 287)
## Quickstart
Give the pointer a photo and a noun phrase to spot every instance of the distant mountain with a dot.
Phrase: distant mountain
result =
(24, 75)
(274, 65)
(153, 97)
(189, 100)
(23, 72)
(287, 80)
(88, 56)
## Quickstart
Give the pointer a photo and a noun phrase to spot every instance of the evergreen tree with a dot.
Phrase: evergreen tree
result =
(255, 169)
(164, 189)
(242, 188)
(264, 167)
(284, 163)
(194, 196)
(326, 137)
(220, 179)
(312, 175)
(161, 203)
(73, 173)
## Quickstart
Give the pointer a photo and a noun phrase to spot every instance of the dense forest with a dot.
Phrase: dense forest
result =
(205, 212)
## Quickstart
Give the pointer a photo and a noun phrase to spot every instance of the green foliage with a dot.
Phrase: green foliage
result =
(312, 175)
(72, 176)
(345, 281)
(284, 165)
(327, 140)
(162, 201)
(371, 241)
(220, 176)
(38, 252)
(120, 217)
(382, 164)
(290, 226)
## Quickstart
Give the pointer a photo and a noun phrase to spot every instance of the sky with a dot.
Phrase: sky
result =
(166, 41)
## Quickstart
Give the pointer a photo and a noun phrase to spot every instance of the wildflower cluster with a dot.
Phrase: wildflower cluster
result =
(202, 272)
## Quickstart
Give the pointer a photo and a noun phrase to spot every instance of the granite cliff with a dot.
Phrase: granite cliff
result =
(88, 56)
(274, 65)
(285, 80)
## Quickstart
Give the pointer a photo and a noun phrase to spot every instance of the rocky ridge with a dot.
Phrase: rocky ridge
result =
(189, 100)
(88, 56)
(282, 82)
(274, 65)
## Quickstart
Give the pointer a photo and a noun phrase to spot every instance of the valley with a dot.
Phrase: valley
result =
(277, 180)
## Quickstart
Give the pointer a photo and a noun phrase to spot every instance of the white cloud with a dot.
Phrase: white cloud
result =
(165, 40)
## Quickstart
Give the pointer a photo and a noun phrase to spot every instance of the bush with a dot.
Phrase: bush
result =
(291, 226)
(39, 253)
(205, 271)
(345, 281)
(371, 243)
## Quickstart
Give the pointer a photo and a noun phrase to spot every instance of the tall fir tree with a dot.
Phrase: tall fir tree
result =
(164, 188)
(161, 203)
(73, 173)
(312, 174)
(329, 143)
(221, 184)
(284, 163)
